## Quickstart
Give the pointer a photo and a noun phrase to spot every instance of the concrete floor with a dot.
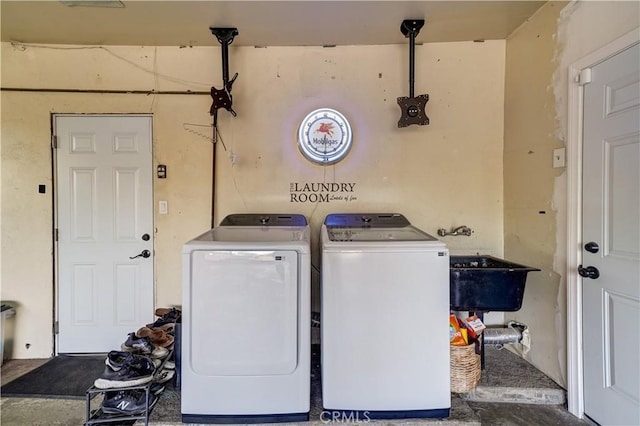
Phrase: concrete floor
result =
(511, 392)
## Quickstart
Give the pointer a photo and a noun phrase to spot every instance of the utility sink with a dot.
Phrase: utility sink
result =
(486, 283)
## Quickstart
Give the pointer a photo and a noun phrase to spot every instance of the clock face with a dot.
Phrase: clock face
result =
(324, 136)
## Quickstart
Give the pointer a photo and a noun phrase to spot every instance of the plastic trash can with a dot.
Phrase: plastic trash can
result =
(6, 330)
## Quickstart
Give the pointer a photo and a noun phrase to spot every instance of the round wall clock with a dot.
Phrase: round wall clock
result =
(324, 136)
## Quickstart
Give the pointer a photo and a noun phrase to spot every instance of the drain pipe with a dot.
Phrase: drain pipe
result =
(499, 337)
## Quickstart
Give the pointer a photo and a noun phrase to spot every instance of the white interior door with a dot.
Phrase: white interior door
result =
(104, 218)
(611, 221)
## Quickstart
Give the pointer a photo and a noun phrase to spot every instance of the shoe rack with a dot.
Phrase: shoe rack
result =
(97, 416)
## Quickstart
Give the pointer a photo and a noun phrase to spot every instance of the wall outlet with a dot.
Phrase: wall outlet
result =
(559, 157)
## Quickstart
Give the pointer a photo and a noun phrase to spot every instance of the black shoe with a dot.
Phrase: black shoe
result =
(163, 376)
(137, 372)
(157, 388)
(167, 321)
(116, 359)
(139, 345)
(129, 402)
(165, 324)
(143, 346)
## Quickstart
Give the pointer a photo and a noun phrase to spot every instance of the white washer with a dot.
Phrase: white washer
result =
(385, 319)
(246, 321)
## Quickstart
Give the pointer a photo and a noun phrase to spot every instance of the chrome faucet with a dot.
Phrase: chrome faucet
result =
(460, 230)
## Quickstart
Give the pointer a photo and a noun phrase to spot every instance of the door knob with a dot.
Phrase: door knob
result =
(592, 247)
(145, 237)
(589, 272)
(143, 253)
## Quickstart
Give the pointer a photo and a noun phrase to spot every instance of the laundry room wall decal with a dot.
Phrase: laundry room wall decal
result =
(321, 192)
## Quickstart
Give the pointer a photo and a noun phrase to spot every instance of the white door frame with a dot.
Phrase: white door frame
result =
(575, 383)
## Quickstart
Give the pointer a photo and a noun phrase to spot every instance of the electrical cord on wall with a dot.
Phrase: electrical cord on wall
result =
(155, 80)
(202, 135)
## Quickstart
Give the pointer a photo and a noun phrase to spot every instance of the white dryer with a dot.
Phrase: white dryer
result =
(246, 321)
(385, 310)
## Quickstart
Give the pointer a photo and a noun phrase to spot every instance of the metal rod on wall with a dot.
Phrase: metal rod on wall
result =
(105, 91)
(213, 178)
(412, 61)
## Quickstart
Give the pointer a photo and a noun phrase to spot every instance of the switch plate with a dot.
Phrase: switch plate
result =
(163, 207)
(559, 157)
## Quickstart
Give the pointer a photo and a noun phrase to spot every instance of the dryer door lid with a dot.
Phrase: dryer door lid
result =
(244, 312)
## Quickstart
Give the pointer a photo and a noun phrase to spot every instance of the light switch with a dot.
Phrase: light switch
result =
(163, 207)
(559, 157)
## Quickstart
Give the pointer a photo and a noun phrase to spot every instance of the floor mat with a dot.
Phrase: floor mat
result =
(64, 376)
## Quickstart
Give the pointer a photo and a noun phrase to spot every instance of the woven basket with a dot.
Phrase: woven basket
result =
(465, 368)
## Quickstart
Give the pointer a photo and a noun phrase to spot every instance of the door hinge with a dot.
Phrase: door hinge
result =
(54, 142)
(584, 77)
(56, 327)
(55, 235)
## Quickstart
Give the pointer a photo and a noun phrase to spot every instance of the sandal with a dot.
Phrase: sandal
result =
(157, 336)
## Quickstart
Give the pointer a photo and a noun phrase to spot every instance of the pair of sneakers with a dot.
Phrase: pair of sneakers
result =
(115, 360)
(143, 346)
(124, 369)
(129, 402)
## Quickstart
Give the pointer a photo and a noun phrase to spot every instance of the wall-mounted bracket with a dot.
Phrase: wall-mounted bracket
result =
(222, 97)
(411, 27)
(413, 107)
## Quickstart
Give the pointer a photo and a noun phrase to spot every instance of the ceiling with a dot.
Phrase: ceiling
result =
(259, 23)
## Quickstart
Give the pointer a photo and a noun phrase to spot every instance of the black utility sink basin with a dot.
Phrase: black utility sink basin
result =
(486, 283)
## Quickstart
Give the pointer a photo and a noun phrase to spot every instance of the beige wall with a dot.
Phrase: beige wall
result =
(538, 56)
(531, 217)
(445, 174)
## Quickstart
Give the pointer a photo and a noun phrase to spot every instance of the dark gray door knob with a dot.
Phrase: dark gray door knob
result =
(143, 253)
(592, 247)
(589, 272)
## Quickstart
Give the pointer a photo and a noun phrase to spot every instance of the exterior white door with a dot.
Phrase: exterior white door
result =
(611, 240)
(104, 217)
